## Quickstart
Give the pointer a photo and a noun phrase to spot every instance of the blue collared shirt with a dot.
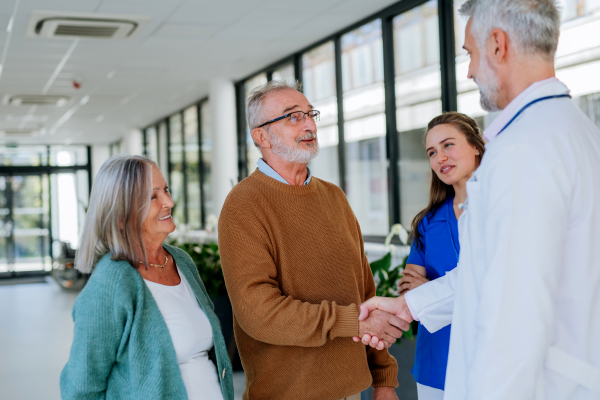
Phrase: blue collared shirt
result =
(270, 172)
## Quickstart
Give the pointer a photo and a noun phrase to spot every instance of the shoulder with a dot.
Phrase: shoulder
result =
(112, 276)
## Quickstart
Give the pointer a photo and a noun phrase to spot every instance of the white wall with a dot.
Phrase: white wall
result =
(100, 153)
(133, 143)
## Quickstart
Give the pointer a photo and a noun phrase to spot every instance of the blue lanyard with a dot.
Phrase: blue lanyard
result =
(530, 104)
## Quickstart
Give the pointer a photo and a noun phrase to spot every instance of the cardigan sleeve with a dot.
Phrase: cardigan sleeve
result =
(100, 318)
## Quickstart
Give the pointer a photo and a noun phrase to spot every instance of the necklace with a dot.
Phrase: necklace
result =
(159, 266)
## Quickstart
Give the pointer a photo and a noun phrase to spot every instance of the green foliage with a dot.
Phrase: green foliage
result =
(386, 281)
(208, 261)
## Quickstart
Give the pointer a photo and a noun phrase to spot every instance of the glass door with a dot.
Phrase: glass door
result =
(24, 224)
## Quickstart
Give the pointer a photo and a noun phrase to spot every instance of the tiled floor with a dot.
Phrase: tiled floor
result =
(36, 331)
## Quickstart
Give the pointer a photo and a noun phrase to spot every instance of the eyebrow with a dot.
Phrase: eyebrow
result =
(295, 106)
(449, 138)
(166, 186)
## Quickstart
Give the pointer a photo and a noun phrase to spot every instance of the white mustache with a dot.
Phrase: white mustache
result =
(310, 135)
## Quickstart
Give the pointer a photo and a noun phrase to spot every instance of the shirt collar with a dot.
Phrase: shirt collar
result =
(546, 87)
(270, 172)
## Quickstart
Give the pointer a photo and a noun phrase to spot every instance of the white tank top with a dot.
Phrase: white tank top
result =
(192, 338)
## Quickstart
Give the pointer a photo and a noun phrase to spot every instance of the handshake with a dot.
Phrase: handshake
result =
(382, 320)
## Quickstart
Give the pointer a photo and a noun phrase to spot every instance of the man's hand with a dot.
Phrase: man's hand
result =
(384, 393)
(396, 306)
(383, 325)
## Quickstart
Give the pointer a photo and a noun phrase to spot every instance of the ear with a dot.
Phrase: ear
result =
(497, 49)
(261, 136)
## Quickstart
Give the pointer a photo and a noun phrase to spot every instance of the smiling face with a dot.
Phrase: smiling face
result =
(451, 156)
(159, 223)
(292, 143)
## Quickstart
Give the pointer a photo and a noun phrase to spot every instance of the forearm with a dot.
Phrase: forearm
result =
(383, 367)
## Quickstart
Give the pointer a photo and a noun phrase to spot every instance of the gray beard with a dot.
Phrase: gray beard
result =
(294, 154)
(487, 81)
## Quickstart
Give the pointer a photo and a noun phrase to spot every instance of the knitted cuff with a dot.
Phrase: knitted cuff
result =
(385, 377)
(346, 321)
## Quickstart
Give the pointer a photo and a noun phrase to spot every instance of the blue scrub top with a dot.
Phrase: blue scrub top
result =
(438, 255)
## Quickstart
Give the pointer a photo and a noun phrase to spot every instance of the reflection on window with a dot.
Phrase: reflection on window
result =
(252, 152)
(364, 129)
(192, 167)
(206, 148)
(176, 157)
(418, 92)
(318, 75)
(285, 73)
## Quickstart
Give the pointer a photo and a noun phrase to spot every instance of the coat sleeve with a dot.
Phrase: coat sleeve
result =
(99, 324)
(432, 303)
(260, 307)
(525, 203)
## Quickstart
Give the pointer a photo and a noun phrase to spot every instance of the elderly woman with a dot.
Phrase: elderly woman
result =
(144, 325)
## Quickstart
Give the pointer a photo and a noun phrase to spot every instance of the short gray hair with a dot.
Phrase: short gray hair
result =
(119, 204)
(257, 95)
(534, 25)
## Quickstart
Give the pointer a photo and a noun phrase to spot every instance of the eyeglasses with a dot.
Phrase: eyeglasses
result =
(296, 117)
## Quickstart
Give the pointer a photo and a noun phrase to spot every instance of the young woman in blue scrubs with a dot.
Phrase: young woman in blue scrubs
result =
(454, 147)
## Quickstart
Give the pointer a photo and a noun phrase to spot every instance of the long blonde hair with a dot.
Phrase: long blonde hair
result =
(119, 204)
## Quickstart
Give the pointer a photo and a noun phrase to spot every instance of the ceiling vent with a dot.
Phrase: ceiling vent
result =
(16, 132)
(62, 25)
(36, 100)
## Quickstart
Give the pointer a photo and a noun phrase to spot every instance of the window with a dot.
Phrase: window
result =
(285, 73)
(318, 73)
(418, 100)
(177, 182)
(365, 127)
(206, 149)
(252, 152)
(192, 168)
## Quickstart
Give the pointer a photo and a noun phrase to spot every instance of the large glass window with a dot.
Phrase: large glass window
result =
(252, 152)
(418, 100)
(577, 63)
(177, 167)
(285, 73)
(192, 167)
(206, 148)
(364, 128)
(318, 77)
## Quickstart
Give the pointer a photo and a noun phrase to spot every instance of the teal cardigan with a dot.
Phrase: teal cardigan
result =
(122, 348)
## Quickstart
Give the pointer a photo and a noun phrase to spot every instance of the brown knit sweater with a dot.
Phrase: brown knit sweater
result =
(295, 270)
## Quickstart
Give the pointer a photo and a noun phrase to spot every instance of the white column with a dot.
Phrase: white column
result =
(133, 143)
(224, 144)
(100, 153)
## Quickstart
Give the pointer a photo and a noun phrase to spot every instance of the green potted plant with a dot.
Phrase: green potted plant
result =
(387, 276)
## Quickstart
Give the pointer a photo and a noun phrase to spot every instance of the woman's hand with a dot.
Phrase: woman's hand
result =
(413, 276)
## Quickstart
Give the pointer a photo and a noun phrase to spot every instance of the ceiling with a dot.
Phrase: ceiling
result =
(168, 64)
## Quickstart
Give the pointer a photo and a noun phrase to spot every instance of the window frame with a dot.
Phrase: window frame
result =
(448, 90)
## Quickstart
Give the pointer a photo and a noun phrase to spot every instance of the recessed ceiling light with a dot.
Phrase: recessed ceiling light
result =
(100, 118)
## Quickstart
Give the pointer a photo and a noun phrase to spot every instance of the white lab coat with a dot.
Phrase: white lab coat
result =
(528, 277)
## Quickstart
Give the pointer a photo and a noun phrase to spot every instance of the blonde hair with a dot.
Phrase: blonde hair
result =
(119, 204)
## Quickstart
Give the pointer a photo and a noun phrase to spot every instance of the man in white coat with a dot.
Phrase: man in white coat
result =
(524, 302)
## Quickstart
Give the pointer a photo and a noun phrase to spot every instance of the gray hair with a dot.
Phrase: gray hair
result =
(119, 204)
(532, 24)
(256, 97)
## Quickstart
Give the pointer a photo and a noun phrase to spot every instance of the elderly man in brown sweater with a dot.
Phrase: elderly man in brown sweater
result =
(296, 270)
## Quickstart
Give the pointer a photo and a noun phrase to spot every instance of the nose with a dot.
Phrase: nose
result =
(441, 157)
(168, 203)
(309, 124)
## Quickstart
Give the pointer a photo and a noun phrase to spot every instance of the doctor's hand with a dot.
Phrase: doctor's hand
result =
(382, 325)
(392, 305)
(414, 276)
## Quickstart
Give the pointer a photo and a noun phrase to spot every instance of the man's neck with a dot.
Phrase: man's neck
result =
(294, 173)
(526, 74)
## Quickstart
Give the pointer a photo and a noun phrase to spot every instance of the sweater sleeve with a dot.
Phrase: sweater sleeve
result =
(384, 368)
(260, 307)
(99, 325)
